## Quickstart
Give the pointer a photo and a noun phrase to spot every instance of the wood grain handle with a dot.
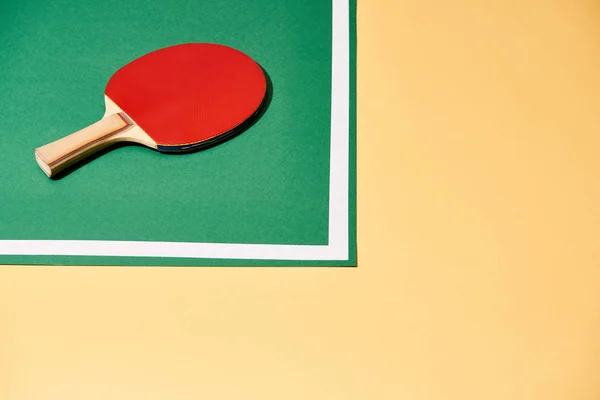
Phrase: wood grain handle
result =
(56, 156)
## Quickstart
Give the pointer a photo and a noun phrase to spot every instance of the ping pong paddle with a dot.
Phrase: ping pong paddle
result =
(177, 99)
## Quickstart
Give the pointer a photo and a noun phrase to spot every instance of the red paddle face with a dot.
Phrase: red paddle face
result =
(189, 95)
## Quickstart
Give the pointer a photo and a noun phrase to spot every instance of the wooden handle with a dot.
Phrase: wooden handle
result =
(56, 156)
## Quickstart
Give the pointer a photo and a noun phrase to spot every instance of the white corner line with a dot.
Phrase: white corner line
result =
(337, 247)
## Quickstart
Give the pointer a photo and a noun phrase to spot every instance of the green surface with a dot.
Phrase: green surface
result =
(269, 185)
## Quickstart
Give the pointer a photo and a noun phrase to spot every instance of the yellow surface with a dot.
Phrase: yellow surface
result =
(479, 225)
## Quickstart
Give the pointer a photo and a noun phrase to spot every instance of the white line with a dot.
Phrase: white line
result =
(340, 130)
(164, 249)
(337, 248)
